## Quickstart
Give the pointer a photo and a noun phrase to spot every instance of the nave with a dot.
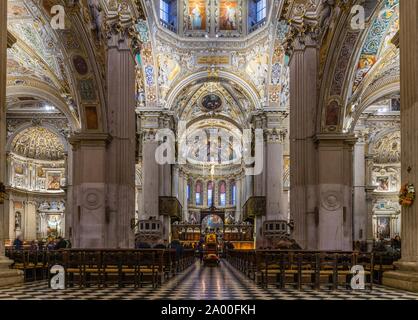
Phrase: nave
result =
(199, 283)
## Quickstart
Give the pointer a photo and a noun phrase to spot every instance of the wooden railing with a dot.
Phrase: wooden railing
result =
(102, 267)
(315, 269)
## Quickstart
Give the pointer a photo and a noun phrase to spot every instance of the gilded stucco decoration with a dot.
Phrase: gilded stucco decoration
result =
(38, 143)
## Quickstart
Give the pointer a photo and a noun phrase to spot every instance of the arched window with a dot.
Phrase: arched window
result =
(199, 193)
(210, 193)
(233, 199)
(222, 193)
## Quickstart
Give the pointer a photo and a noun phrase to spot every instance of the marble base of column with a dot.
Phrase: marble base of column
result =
(405, 278)
(9, 276)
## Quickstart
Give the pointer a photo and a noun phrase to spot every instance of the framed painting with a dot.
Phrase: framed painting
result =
(229, 17)
(382, 183)
(53, 181)
(196, 17)
(383, 227)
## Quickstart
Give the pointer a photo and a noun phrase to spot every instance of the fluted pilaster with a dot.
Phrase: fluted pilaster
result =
(303, 113)
(407, 275)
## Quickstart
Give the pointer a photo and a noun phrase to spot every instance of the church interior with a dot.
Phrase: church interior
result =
(149, 149)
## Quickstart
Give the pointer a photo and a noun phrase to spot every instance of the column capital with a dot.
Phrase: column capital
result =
(122, 35)
(148, 135)
(275, 135)
(301, 36)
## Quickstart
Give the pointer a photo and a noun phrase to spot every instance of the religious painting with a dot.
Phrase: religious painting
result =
(211, 102)
(87, 89)
(197, 18)
(80, 65)
(212, 222)
(382, 183)
(18, 221)
(40, 173)
(53, 181)
(53, 225)
(18, 168)
(169, 69)
(91, 118)
(395, 104)
(332, 114)
(383, 227)
(229, 15)
(257, 69)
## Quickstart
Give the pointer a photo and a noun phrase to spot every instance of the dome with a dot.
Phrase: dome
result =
(38, 143)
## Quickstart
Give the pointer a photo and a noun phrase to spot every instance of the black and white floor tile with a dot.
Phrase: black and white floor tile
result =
(199, 283)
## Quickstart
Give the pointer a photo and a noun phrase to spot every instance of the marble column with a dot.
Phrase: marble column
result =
(183, 191)
(335, 183)
(7, 276)
(30, 220)
(274, 176)
(370, 202)
(177, 184)
(248, 188)
(360, 204)
(3, 78)
(303, 65)
(150, 174)
(121, 149)
(238, 204)
(406, 275)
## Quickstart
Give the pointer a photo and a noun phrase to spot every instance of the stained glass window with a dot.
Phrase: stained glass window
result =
(222, 193)
(210, 193)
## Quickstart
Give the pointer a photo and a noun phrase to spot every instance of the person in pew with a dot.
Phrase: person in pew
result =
(18, 243)
(34, 246)
(396, 243)
(61, 243)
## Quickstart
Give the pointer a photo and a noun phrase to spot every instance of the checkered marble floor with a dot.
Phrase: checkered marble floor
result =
(199, 283)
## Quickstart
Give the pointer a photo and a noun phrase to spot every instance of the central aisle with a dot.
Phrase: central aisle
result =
(201, 282)
(198, 283)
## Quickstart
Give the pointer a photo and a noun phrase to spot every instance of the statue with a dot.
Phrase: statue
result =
(96, 16)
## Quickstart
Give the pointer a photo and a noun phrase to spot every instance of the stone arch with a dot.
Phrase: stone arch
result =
(372, 95)
(341, 70)
(221, 75)
(44, 92)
